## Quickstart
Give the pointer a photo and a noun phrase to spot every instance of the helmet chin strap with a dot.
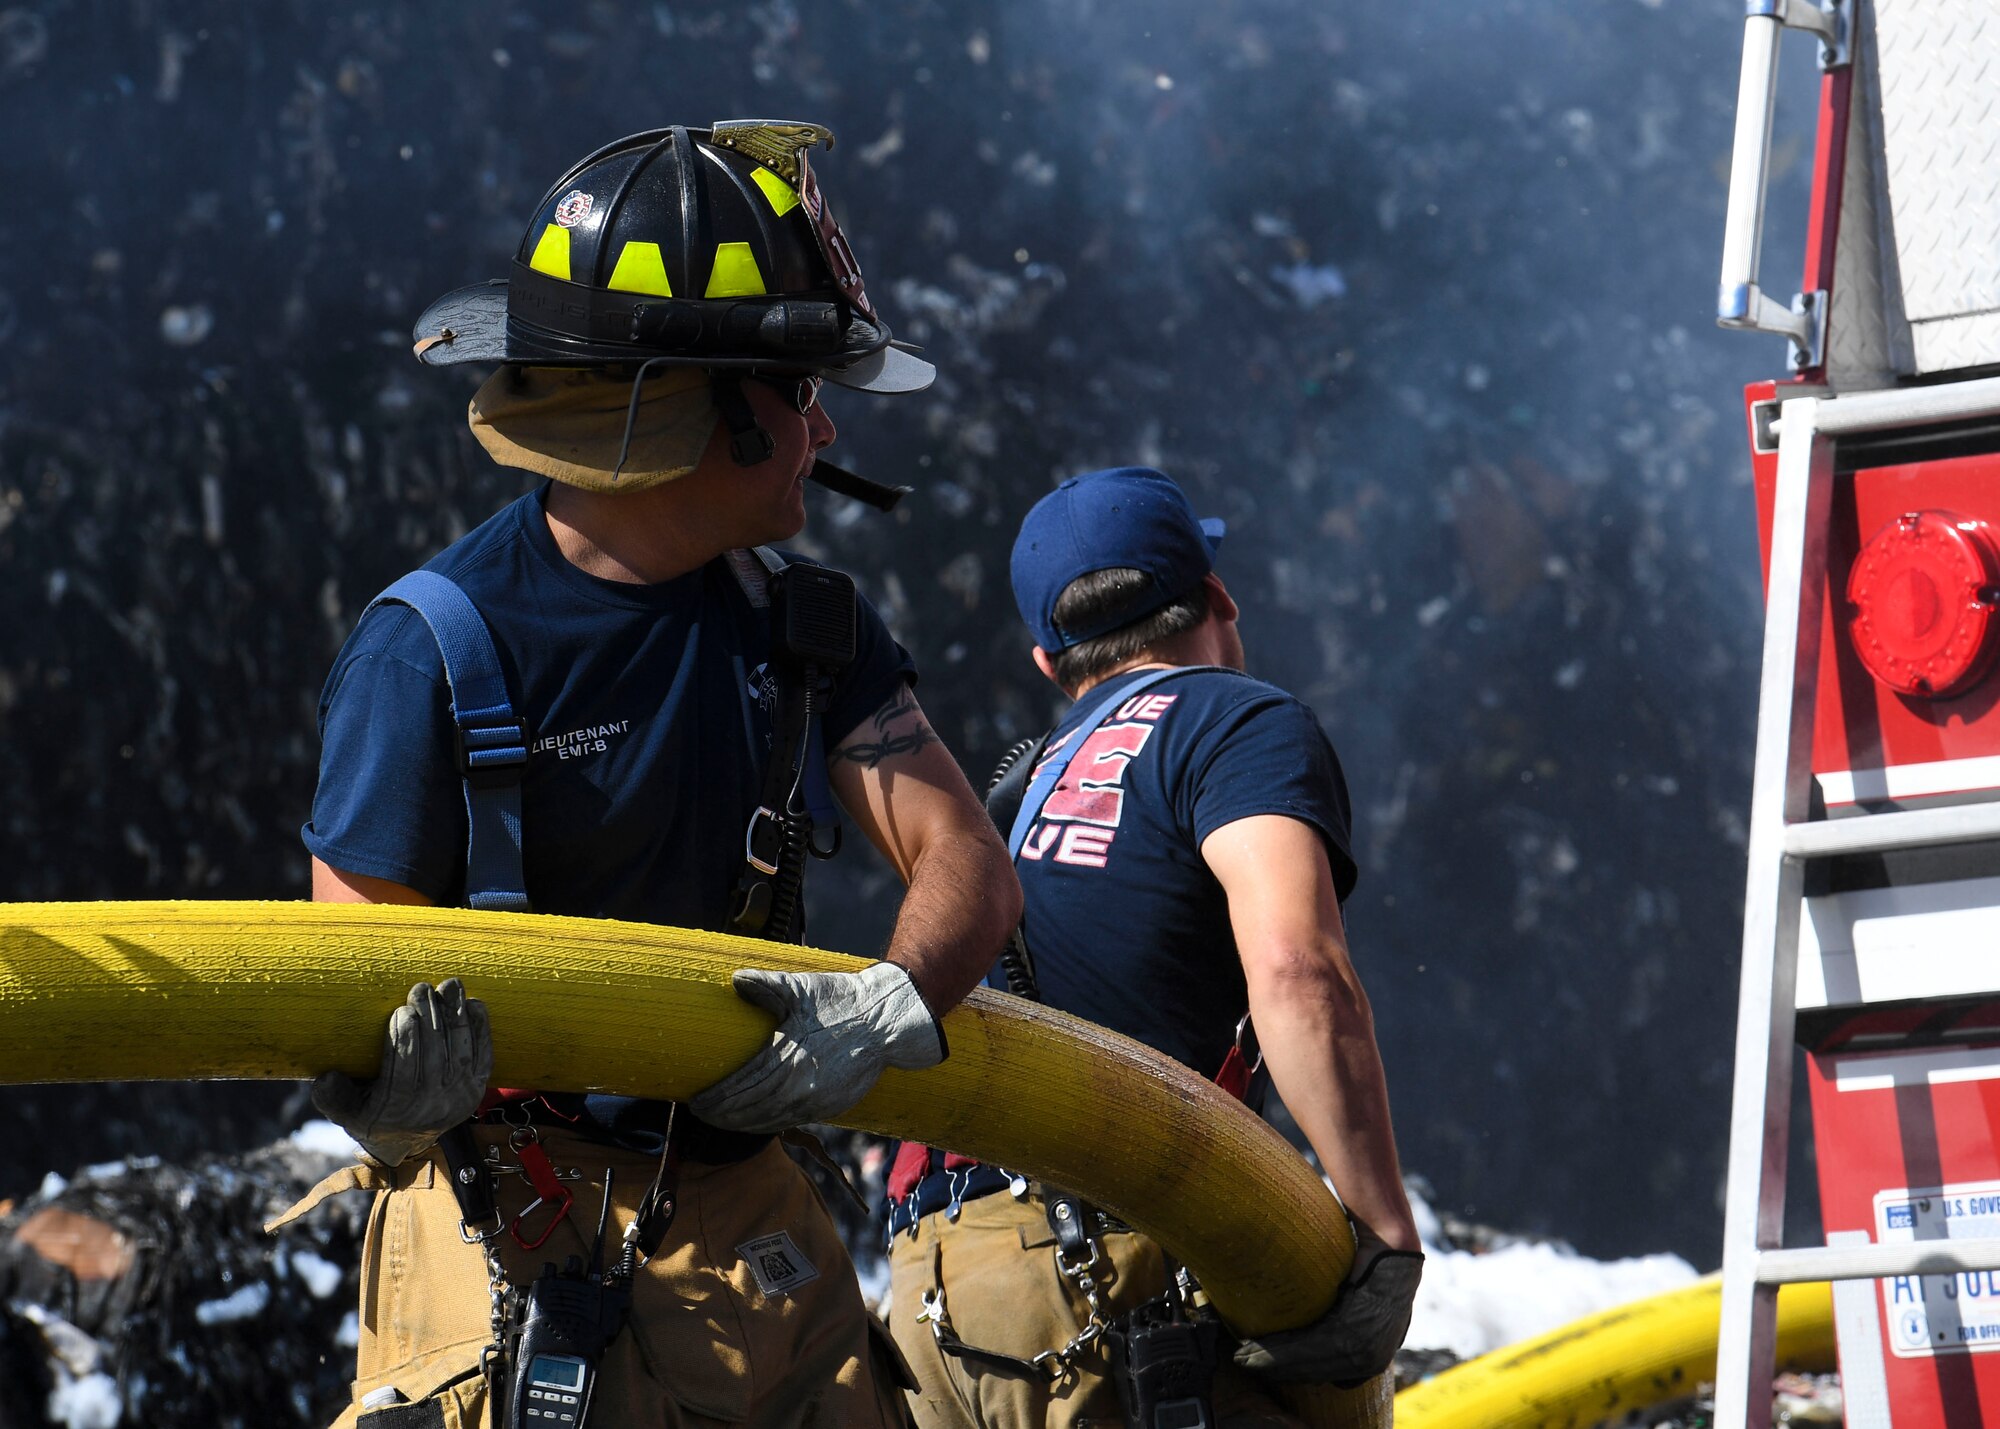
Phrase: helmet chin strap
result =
(749, 443)
(632, 413)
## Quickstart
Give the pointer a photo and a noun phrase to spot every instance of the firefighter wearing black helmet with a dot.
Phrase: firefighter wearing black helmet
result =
(604, 701)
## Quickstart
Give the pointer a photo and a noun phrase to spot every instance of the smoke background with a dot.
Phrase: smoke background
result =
(1418, 297)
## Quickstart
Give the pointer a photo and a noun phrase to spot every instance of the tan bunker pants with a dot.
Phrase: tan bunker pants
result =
(996, 1267)
(749, 1316)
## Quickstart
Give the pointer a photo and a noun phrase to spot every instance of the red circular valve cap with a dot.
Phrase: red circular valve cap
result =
(1922, 592)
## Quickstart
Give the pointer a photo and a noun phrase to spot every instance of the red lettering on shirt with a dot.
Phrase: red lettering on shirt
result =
(1083, 846)
(1149, 707)
(1037, 842)
(1089, 791)
(1080, 817)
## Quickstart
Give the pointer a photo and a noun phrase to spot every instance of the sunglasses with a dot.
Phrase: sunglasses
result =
(801, 392)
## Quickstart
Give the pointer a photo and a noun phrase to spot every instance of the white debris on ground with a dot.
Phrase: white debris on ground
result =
(873, 1273)
(80, 1394)
(321, 1276)
(1470, 1304)
(1508, 1290)
(1808, 1399)
(1473, 1302)
(1484, 1290)
(324, 1138)
(245, 1304)
(92, 1402)
(143, 1292)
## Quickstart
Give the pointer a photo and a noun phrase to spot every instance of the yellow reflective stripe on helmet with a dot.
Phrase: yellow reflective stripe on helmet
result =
(735, 273)
(552, 252)
(640, 270)
(784, 198)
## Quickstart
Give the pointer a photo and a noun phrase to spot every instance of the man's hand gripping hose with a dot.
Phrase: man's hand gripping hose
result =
(835, 1034)
(436, 1057)
(1358, 1338)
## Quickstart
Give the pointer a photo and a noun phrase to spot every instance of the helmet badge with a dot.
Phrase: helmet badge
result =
(782, 146)
(778, 144)
(574, 208)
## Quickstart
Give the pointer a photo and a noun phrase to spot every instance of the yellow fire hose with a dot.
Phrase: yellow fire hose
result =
(136, 991)
(1601, 1368)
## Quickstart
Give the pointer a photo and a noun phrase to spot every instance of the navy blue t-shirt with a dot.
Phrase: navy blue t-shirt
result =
(646, 742)
(1126, 925)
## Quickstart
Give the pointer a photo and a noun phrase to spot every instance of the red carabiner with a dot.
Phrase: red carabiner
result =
(1244, 1058)
(549, 1191)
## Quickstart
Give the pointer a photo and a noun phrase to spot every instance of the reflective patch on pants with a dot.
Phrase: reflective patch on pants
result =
(776, 1264)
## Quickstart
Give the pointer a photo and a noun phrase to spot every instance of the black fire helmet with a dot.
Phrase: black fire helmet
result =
(696, 247)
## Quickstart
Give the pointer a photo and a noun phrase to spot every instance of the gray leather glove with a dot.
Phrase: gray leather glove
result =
(1358, 1338)
(835, 1034)
(436, 1056)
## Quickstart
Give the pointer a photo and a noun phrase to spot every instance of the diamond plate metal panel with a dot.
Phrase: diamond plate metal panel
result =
(1864, 1385)
(1939, 75)
(1859, 349)
(1949, 344)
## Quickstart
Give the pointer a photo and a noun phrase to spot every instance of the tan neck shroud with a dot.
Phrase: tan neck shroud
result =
(566, 423)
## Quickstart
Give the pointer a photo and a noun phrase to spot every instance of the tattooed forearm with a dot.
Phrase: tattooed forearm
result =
(870, 754)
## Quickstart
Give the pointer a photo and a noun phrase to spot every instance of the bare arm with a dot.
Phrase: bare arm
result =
(1311, 1014)
(334, 885)
(899, 783)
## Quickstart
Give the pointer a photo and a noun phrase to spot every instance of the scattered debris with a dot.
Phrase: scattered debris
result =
(140, 1293)
(1809, 1399)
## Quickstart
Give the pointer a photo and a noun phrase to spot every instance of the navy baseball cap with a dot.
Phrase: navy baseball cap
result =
(1129, 516)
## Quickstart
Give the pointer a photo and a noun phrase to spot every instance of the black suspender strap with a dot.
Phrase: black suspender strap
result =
(768, 889)
(813, 635)
(1003, 799)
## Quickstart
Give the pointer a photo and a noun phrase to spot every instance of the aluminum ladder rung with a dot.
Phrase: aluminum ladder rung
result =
(1884, 833)
(1876, 1262)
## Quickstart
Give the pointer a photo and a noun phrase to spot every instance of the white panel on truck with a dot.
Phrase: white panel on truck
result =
(1938, 86)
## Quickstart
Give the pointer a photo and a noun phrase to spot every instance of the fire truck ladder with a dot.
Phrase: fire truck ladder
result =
(1783, 839)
